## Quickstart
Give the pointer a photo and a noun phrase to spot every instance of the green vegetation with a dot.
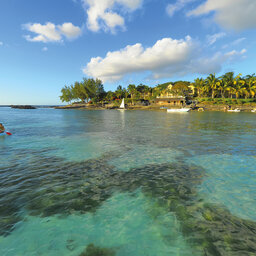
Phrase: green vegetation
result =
(227, 86)
(226, 89)
(226, 101)
(88, 89)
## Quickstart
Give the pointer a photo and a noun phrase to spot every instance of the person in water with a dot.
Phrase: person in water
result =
(2, 129)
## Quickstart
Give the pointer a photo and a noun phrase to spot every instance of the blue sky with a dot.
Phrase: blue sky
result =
(46, 44)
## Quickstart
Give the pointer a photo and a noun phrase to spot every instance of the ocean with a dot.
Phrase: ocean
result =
(127, 183)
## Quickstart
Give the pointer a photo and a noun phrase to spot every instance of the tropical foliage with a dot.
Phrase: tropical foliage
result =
(88, 89)
(227, 86)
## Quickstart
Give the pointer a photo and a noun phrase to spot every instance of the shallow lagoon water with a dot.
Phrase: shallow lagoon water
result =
(58, 161)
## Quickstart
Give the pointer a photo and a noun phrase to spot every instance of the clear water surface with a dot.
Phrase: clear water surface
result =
(132, 182)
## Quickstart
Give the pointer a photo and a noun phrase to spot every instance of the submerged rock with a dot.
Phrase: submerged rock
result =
(92, 250)
(47, 186)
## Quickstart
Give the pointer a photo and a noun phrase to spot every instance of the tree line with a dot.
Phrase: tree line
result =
(225, 86)
(88, 89)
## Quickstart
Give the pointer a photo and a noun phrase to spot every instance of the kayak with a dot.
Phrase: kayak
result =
(5, 133)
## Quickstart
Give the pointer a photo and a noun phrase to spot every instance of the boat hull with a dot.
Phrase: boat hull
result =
(181, 110)
(5, 134)
(235, 111)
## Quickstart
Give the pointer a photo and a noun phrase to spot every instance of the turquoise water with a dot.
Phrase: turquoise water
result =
(130, 183)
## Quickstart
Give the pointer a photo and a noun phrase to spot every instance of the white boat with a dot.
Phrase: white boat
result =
(179, 110)
(234, 110)
(254, 110)
(122, 106)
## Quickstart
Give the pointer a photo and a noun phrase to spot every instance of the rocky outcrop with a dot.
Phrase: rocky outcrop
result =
(23, 106)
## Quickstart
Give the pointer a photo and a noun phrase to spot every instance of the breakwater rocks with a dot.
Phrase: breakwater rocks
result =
(22, 107)
(45, 185)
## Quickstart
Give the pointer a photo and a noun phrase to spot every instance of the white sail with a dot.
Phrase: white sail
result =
(122, 104)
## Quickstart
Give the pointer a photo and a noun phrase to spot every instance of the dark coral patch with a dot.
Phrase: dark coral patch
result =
(92, 250)
(46, 186)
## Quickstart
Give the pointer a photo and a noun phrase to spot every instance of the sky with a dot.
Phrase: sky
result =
(47, 44)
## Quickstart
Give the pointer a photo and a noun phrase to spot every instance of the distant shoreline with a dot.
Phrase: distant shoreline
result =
(37, 106)
(199, 107)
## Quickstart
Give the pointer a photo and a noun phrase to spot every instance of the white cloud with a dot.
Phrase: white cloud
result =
(69, 30)
(235, 53)
(50, 32)
(213, 38)
(44, 49)
(239, 40)
(230, 14)
(1, 43)
(167, 58)
(102, 14)
(172, 8)
(134, 58)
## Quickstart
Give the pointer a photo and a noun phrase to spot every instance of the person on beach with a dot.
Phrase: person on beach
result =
(2, 129)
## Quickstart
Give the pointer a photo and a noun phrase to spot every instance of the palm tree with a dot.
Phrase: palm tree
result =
(211, 81)
(230, 82)
(250, 85)
(248, 77)
(224, 86)
(199, 84)
(156, 91)
(132, 90)
(239, 88)
(119, 92)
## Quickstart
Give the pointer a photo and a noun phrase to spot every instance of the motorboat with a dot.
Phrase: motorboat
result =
(234, 110)
(178, 110)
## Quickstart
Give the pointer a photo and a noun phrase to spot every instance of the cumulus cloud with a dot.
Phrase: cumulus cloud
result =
(69, 30)
(213, 38)
(172, 8)
(167, 58)
(230, 14)
(1, 43)
(50, 32)
(102, 14)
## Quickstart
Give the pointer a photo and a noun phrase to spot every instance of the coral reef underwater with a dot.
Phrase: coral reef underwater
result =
(45, 185)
